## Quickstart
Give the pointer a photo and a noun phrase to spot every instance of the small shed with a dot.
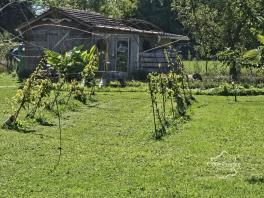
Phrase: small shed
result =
(125, 46)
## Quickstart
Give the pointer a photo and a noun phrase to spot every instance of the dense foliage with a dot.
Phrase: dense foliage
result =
(156, 11)
(115, 9)
(6, 44)
(227, 89)
(256, 56)
(173, 87)
(49, 85)
(216, 24)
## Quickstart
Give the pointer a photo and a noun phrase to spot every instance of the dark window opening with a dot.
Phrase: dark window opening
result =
(146, 45)
(101, 45)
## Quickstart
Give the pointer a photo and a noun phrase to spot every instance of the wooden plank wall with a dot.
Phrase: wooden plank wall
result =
(154, 62)
(42, 38)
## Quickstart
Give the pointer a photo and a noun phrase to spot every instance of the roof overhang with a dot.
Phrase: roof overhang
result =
(134, 30)
(28, 26)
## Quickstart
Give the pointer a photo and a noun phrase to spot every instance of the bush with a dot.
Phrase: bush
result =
(228, 89)
(2, 69)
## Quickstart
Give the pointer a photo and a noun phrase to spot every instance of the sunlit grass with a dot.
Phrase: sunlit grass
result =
(108, 151)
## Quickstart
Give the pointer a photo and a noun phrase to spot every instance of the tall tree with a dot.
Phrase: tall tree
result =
(113, 8)
(218, 25)
(159, 12)
(226, 22)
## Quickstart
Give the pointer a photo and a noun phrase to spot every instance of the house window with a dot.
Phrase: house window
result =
(101, 45)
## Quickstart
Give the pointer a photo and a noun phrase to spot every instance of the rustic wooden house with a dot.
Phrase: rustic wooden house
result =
(125, 46)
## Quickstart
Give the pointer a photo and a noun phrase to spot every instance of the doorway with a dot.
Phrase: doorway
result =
(122, 54)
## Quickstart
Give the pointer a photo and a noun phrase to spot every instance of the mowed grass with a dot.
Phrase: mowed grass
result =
(108, 151)
(7, 80)
(216, 69)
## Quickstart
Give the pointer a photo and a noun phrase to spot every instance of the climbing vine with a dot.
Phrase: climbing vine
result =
(171, 89)
(51, 82)
(56, 78)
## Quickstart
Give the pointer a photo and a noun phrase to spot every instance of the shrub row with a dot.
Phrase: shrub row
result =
(228, 89)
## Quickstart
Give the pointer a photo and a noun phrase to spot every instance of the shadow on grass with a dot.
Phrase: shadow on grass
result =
(44, 122)
(93, 105)
(255, 180)
(169, 125)
(17, 127)
(202, 106)
(20, 129)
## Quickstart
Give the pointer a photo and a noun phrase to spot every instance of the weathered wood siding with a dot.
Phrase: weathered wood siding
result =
(46, 35)
(154, 61)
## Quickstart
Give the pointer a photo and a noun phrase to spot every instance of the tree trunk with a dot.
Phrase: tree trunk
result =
(206, 67)
(233, 72)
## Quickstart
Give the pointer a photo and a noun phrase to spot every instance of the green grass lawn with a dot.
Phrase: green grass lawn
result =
(7, 80)
(108, 151)
(214, 68)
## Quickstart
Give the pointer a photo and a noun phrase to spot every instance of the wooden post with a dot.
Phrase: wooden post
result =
(235, 91)
(206, 67)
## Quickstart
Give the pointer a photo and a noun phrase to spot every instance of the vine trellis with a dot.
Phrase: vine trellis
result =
(51, 85)
(169, 88)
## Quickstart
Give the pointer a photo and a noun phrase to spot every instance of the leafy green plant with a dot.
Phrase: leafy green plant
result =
(6, 44)
(229, 89)
(158, 118)
(38, 88)
(232, 58)
(256, 56)
(76, 63)
(173, 86)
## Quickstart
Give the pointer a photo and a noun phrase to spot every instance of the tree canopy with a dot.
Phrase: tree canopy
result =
(219, 24)
(114, 8)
